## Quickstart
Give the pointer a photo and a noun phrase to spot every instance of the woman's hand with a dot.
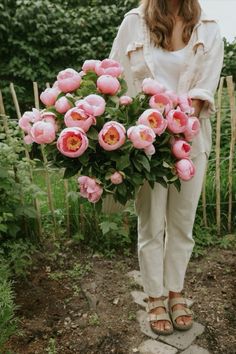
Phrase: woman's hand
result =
(197, 105)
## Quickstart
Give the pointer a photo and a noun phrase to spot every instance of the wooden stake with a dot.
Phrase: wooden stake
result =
(15, 100)
(230, 87)
(36, 201)
(45, 163)
(217, 151)
(67, 207)
(2, 108)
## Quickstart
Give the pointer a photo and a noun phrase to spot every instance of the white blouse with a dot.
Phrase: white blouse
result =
(168, 65)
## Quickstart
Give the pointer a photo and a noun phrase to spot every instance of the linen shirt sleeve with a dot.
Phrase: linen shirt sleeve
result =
(210, 70)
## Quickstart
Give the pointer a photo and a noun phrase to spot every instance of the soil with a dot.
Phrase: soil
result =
(80, 303)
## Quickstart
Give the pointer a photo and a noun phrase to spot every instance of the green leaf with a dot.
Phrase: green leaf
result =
(70, 172)
(144, 162)
(121, 189)
(92, 134)
(107, 226)
(123, 162)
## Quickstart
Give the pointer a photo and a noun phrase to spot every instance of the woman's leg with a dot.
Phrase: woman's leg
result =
(180, 215)
(151, 209)
(150, 205)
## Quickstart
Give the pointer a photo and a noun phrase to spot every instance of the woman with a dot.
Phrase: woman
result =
(174, 42)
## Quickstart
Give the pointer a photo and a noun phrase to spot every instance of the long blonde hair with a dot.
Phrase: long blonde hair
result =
(160, 22)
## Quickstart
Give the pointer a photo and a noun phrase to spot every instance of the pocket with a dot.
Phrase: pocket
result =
(138, 66)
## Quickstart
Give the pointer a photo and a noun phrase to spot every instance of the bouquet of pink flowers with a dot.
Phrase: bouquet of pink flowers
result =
(114, 142)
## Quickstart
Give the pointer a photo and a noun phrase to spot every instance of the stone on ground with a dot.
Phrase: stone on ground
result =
(154, 347)
(195, 349)
(144, 324)
(183, 339)
(136, 276)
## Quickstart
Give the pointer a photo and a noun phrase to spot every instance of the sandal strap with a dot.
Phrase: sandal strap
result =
(177, 313)
(160, 317)
(156, 303)
(176, 301)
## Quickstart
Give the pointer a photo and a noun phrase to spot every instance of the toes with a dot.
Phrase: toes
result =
(180, 321)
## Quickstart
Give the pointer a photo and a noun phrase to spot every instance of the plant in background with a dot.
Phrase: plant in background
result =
(113, 141)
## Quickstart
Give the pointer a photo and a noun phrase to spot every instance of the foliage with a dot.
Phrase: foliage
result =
(16, 189)
(39, 38)
(229, 67)
(8, 321)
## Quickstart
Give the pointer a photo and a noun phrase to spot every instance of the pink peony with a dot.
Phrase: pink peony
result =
(49, 96)
(89, 65)
(108, 85)
(111, 136)
(141, 136)
(43, 132)
(72, 142)
(68, 80)
(28, 118)
(185, 104)
(76, 117)
(181, 149)
(50, 117)
(92, 104)
(116, 178)
(152, 87)
(173, 97)
(161, 102)
(108, 67)
(192, 128)
(125, 100)
(150, 150)
(62, 105)
(177, 121)
(153, 119)
(90, 189)
(185, 169)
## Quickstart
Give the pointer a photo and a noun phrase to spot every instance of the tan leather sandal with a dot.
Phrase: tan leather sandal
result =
(177, 313)
(152, 317)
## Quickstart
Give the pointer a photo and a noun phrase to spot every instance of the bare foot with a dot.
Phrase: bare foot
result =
(182, 320)
(161, 325)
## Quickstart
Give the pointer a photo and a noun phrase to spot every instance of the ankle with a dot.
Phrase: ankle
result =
(173, 294)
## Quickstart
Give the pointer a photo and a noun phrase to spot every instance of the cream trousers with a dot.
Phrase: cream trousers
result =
(165, 224)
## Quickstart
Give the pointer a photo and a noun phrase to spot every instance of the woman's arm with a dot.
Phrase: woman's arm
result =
(197, 105)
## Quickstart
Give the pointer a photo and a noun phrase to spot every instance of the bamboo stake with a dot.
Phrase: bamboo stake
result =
(47, 85)
(2, 108)
(45, 163)
(217, 151)
(230, 87)
(204, 212)
(36, 201)
(15, 100)
(66, 187)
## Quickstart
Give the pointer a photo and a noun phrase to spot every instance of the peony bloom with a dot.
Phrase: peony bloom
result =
(72, 142)
(185, 104)
(28, 118)
(68, 80)
(177, 121)
(43, 132)
(76, 117)
(49, 96)
(181, 149)
(141, 136)
(62, 105)
(108, 67)
(50, 117)
(161, 102)
(150, 150)
(173, 97)
(92, 104)
(90, 189)
(185, 169)
(108, 85)
(116, 178)
(89, 65)
(111, 136)
(152, 87)
(153, 119)
(125, 100)
(192, 128)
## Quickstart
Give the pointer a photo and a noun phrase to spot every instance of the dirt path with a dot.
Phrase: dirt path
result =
(81, 304)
